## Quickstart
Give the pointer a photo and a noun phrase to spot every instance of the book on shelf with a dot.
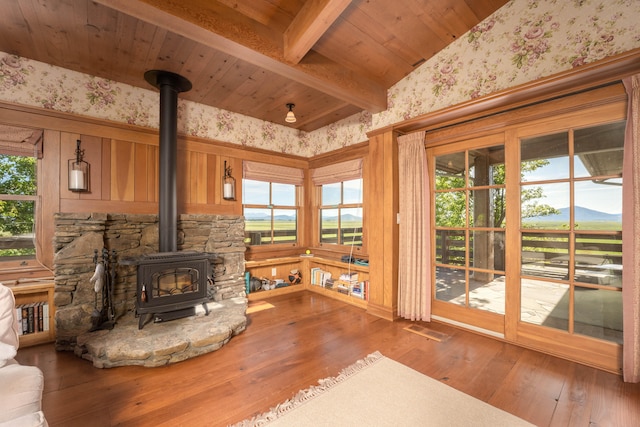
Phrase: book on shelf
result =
(357, 290)
(320, 277)
(326, 277)
(360, 290)
(346, 283)
(342, 288)
(316, 276)
(33, 317)
(45, 316)
(351, 277)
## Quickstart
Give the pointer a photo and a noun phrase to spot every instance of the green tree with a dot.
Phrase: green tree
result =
(530, 197)
(451, 208)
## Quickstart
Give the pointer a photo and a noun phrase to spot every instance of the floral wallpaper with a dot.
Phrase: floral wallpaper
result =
(523, 41)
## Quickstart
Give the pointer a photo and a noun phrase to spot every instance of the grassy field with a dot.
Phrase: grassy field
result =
(284, 226)
(291, 225)
(563, 225)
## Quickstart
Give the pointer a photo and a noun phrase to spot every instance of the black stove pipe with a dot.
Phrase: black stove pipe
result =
(170, 85)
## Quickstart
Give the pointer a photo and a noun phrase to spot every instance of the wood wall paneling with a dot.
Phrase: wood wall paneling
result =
(382, 206)
(201, 172)
(307, 214)
(123, 171)
(104, 179)
(211, 178)
(92, 146)
(141, 173)
(183, 178)
(191, 173)
(391, 229)
(153, 157)
(190, 170)
(49, 186)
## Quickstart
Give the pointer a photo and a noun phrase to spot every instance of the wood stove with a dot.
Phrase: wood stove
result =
(171, 284)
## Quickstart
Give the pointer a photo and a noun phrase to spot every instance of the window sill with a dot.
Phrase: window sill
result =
(16, 272)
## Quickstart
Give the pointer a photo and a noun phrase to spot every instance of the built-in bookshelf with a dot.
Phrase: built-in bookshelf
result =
(276, 272)
(344, 281)
(35, 310)
(340, 280)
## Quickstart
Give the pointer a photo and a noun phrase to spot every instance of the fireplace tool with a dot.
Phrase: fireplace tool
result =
(104, 280)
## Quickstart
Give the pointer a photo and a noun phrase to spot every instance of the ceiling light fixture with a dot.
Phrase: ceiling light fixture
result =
(291, 118)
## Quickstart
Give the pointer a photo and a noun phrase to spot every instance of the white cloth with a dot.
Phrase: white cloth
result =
(7, 352)
(8, 318)
(98, 277)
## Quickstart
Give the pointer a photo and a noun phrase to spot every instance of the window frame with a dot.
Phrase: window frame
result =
(12, 261)
(273, 207)
(600, 105)
(339, 207)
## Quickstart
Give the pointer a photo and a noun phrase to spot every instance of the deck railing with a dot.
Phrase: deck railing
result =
(597, 259)
(329, 235)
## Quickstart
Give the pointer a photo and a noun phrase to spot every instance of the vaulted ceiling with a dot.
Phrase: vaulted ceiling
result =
(331, 58)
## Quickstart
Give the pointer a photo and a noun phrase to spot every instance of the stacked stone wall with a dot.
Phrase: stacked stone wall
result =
(129, 236)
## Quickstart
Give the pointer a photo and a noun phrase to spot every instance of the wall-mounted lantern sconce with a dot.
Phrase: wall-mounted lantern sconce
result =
(78, 171)
(228, 184)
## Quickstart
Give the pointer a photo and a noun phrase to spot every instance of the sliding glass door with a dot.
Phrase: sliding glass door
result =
(571, 232)
(527, 231)
(469, 231)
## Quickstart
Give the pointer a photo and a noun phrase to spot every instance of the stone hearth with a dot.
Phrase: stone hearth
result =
(131, 236)
(163, 343)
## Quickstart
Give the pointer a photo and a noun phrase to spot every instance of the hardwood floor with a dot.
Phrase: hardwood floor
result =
(306, 337)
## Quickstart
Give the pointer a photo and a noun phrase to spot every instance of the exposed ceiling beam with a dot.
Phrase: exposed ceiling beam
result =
(233, 33)
(318, 117)
(313, 20)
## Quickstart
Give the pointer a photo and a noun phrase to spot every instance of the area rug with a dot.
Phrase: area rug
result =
(378, 391)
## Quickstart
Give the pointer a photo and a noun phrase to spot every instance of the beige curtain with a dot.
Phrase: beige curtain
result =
(272, 173)
(631, 235)
(337, 172)
(414, 284)
(15, 141)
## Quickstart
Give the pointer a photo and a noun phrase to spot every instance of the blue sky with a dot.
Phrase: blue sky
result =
(599, 197)
(257, 192)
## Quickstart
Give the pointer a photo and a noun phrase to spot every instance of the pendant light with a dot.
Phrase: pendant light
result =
(291, 118)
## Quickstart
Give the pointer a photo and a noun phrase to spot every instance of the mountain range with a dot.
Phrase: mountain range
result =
(581, 214)
(265, 217)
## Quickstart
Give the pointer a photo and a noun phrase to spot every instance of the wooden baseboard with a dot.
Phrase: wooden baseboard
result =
(387, 313)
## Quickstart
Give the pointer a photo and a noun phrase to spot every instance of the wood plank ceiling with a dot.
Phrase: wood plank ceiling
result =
(331, 58)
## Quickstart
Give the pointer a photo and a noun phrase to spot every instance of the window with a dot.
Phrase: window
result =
(526, 241)
(19, 150)
(270, 212)
(270, 203)
(339, 201)
(470, 225)
(341, 213)
(17, 206)
(571, 264)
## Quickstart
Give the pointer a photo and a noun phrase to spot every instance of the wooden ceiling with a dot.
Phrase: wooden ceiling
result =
(331, 58)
